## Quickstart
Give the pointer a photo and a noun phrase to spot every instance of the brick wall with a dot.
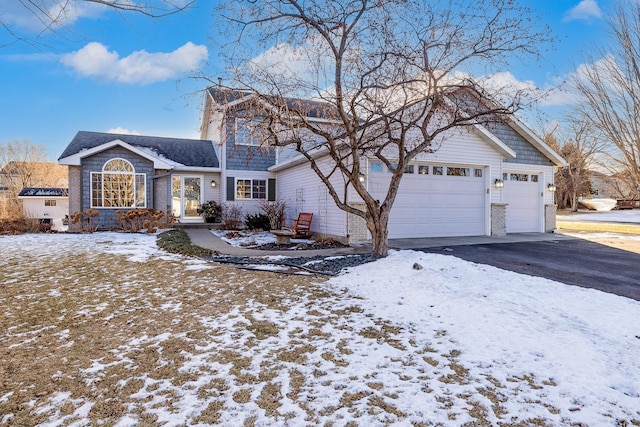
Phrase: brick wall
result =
(75, 194)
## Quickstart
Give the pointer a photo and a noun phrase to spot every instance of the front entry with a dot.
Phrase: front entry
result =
(186, 197)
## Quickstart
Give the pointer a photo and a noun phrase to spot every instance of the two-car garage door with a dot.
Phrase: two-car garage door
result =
(435, 201)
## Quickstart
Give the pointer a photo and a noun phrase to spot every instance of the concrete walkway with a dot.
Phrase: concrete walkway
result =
(205, 238)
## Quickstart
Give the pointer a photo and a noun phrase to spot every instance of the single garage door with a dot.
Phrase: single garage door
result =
(435, 201)
(524, 202)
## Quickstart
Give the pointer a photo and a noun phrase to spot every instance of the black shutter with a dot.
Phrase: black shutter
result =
(231, 188)
(271, 190)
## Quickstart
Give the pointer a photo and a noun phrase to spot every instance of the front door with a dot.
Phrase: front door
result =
(186, 197)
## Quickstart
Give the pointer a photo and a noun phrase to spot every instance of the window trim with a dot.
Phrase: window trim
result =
(50, 202)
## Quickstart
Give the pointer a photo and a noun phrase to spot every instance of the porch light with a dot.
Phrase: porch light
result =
(213, 183)
(498, 183)
(551, 187)
(361, 177)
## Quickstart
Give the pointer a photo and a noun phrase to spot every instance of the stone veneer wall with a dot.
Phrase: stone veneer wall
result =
(498, 219)
(356, 226)
(549, 218)
(75, 195)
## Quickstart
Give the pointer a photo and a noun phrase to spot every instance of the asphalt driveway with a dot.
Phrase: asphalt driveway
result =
(571, 261)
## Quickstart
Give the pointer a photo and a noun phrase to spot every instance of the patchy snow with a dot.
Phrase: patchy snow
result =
(630, 216)
(463, 334)
(250, 238)
(601, 205)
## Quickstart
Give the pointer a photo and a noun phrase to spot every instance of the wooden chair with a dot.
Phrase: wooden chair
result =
(302, 226)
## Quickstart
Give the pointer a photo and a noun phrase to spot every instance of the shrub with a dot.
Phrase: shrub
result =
(231, 217)
(138, 219)
(210, 210)
(85, 219)
(257, 222)
(274, 212)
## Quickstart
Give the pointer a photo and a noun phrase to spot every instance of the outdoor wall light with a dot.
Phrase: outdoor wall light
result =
(498, 183)
(361, 177)
(213, 183)
(551, 187)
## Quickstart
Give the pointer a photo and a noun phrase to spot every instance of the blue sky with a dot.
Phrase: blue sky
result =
(127, 72)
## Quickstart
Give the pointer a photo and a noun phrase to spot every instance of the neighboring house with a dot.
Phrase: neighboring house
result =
(489, 180)
(48, 205)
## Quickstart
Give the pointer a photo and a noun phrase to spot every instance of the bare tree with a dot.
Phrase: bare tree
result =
(393, 74)
(609, 87)
(22, 165)
(578, 145)
(55, 15)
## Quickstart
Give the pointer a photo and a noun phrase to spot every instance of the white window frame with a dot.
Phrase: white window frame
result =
(253, 190)
(97, 195)
(50, 202)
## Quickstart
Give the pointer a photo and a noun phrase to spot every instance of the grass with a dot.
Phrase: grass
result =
(177, 241)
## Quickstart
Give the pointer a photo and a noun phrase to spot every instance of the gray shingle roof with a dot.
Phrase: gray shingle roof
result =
(44, 192)
(189, 152)
(309, 108)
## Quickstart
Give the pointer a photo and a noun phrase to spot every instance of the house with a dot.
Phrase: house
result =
(109, 172)
(48, 205)
(489, 180)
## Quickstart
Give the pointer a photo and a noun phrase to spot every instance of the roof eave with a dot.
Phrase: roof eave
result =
(76, 159)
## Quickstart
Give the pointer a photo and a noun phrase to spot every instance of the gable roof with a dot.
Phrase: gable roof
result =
(306, 107)
(43, 192)
(173, 152)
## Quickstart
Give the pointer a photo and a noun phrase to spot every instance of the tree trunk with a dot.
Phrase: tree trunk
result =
(379, 229)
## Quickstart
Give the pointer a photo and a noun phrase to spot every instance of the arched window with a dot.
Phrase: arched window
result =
(118, 186)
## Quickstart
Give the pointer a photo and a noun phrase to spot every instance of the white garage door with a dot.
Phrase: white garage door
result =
(435, 201)
(524, 202)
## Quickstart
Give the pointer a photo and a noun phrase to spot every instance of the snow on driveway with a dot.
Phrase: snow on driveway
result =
(412, 339)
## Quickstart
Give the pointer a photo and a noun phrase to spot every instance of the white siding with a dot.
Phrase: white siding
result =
(35, 208)
(249, 206)
(327, 218)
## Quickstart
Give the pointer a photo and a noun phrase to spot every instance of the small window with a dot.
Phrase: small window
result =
(251, 189)
(522, 177)
(437, 170)
(534, 178)
(477, 173)
(409, 169)
(375, 166)
(504, 176)
(458, 171)
(49, 202)
(392, 168)
(248, 132)
(423, 170)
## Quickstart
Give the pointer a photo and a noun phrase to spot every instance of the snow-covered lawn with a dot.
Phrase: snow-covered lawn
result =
(631, 216)
(107, 329)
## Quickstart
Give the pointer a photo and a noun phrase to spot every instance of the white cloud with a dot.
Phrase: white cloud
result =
(123, 131)
(50, 14)
(584, 10)
(95, 60)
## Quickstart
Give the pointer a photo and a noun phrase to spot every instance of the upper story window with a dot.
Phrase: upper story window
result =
(248, 132)
(48, 202)
(118, 186)
(375, 166)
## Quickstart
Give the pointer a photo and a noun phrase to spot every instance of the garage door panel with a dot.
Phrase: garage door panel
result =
(524, 205)
(434, 206)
